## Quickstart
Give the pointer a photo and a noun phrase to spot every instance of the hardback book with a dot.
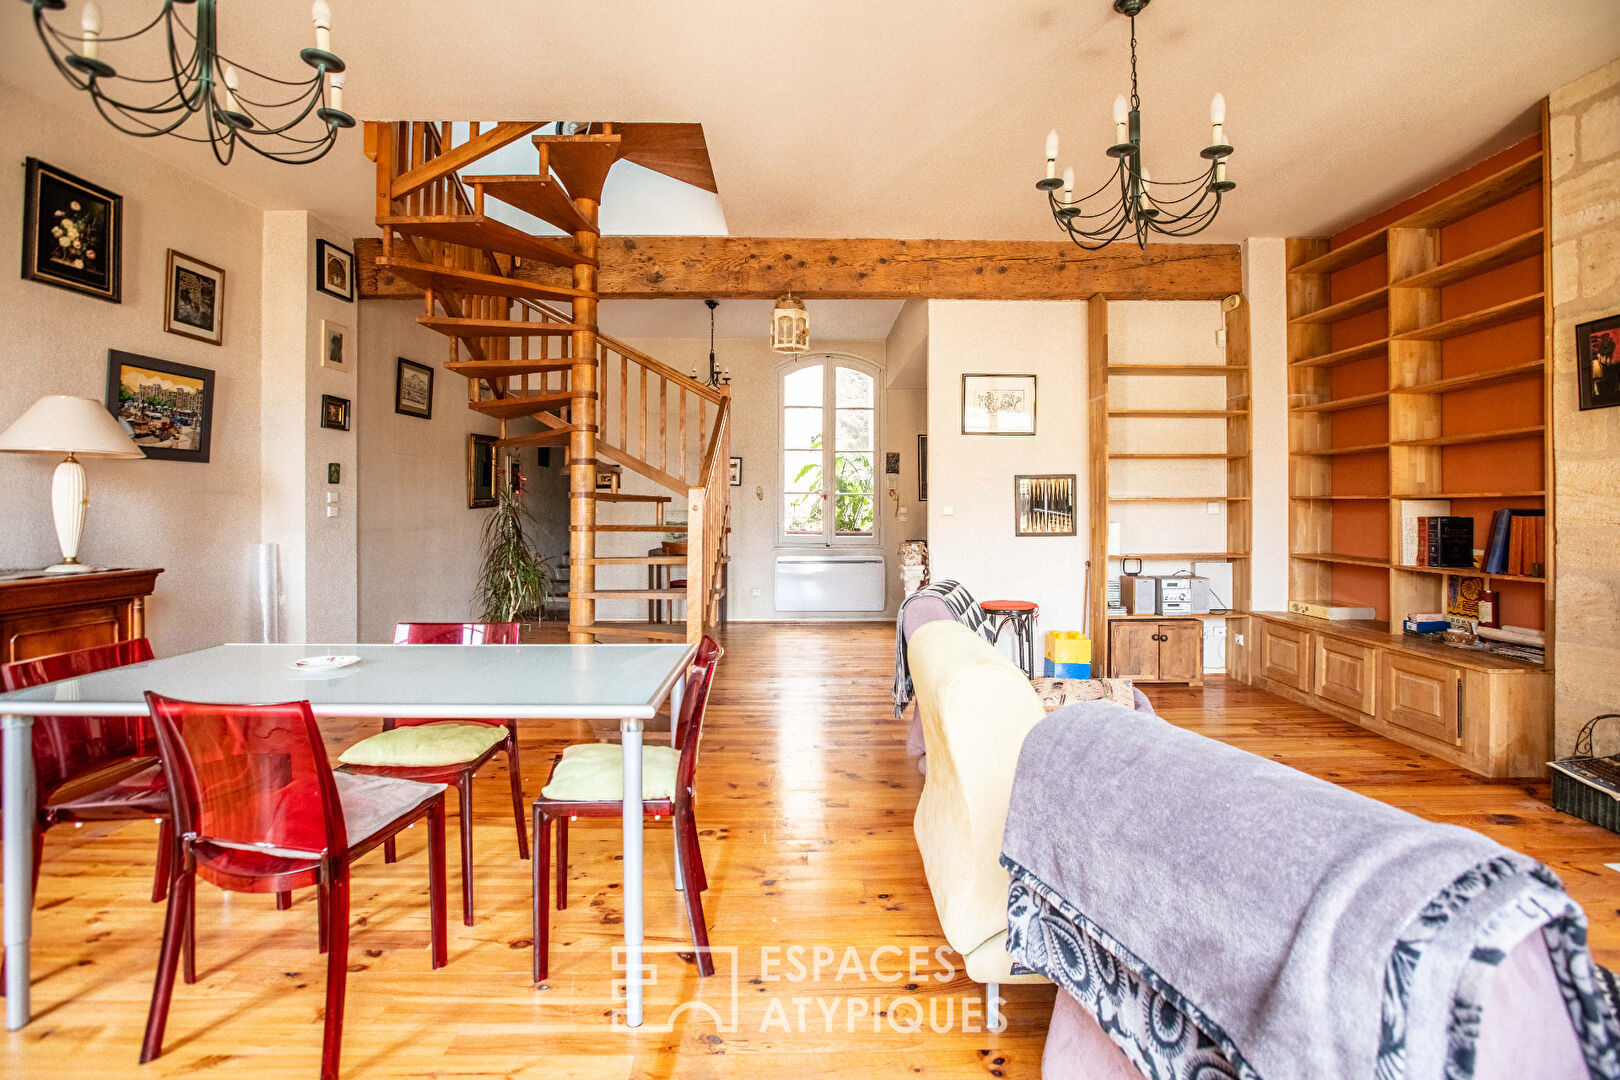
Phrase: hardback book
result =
(1412, 511)
(1451, 542)
(1517, 543)
(1496, 547)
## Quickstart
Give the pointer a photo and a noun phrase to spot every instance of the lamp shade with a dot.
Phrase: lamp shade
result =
(63, 424)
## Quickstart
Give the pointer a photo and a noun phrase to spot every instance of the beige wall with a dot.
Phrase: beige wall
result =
(1264, 284)
(1586, 285)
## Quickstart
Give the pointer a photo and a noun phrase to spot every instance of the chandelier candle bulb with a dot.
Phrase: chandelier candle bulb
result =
(1068, 184)
(1051, 154)
(91, 23)
(337, 90)
(1121, 114)
(321, 11)
(1141, 189)
(231, 83)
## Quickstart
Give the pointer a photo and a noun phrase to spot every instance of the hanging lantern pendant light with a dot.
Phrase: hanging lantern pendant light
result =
(790, 325)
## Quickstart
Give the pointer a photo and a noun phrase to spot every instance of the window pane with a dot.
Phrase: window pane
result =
(802, 514)
(802, 387)
(854, 515)
(856, 473)
(801, 470)
(854, 387)
(801, 429)
(854, 429)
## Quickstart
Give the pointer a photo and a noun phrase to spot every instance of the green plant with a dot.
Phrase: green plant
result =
(852, 475)
(512, 583)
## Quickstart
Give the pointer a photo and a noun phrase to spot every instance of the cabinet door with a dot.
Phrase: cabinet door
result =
(1285, 655)
(1345, 673)
(1133, 650)
(40, 633)
(1181, 652)
(1421, 696)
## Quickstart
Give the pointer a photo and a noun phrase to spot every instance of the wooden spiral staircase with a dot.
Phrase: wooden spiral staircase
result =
(519, 311)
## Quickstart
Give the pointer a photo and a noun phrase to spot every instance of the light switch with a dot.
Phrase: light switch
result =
(947, 511)
(331, 511)
(1212, 508)
(331, 498)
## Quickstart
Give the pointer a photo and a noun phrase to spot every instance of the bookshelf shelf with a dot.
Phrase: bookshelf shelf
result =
(1335, 557)
(1345, 356)
(1359, 401)
(1533, 369)
(1465, 571)
(1196, 556)
(1174, 414)
(1472, 495)
(1346, 498)
(1488, 191)
(1345, 309)
(1501, 435)
(1340, 451)
(1176, 457)
(1358, 250)
(1228, 614)
(1174, 369)
(1524, 246)
(1498, 315)
(1176, 498)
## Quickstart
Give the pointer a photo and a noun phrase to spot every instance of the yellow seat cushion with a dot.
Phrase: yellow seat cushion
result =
(593, 772)
(421, 745)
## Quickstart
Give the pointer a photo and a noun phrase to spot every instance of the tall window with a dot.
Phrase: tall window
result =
(829, 455)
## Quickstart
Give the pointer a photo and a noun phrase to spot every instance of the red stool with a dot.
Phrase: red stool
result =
(1021, 615)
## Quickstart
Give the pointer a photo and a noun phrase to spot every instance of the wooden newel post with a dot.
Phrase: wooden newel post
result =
(582, 440)
(697, 592)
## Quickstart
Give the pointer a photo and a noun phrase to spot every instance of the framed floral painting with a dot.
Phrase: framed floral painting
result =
(73, 233)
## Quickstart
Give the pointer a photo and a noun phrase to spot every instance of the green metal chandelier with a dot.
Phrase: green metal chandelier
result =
(1130, 202)
(203, 84)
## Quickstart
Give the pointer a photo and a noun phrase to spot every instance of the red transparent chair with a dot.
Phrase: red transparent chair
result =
(258, 809)
(586, 782)
(459, 773)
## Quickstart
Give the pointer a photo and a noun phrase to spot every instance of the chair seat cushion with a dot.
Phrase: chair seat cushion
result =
(1056, 693)
(593, 772)
(425, 744)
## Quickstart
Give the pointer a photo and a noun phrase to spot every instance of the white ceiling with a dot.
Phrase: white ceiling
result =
(893, 118)
(830, 320)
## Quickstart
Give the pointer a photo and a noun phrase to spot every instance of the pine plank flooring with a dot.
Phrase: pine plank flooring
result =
(805, 805)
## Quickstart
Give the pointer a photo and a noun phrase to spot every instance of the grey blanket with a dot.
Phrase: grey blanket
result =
(1309, 933)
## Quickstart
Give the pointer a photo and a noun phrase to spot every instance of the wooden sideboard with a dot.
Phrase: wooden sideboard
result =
(1156, 649)
(1487, 713)
(62, 612)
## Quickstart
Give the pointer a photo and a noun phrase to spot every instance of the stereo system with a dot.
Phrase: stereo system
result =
(1143, 594)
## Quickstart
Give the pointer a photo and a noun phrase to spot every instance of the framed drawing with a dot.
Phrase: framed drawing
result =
(736, 472)
(334, 270)
(334, 412)
(73, 233)
(480, 471)
(168, 409)
(998, 404)
(922, 468)
(194, 299)
(413, 389)
(1596, 366)
(1043, 505)
(335, 346)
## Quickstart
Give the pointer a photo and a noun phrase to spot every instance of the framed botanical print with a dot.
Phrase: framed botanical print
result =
(1597, 367)
(194, 299)
(480, 471)
(334, 270)
(334, 412)
(413, 389)
(335, 346)
(998, 404)
(73, 233)
(168, 409)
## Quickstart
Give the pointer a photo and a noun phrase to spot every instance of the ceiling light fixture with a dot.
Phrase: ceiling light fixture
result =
(716, 376)
(1138, 204)
(790, 325)
(207, 84)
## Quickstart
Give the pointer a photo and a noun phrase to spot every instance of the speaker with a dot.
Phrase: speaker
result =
(1139, 593)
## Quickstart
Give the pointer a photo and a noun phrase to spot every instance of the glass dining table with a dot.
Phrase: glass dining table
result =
(627, 683)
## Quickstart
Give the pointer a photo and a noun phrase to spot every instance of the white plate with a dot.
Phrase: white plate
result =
(323, 663)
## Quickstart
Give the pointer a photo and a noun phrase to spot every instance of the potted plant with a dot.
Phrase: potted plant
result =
(512, 583)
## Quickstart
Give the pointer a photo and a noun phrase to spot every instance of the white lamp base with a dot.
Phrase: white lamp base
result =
(73, 568)
(70, 497)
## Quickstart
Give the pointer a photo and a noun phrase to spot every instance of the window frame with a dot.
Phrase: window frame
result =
(830, 362)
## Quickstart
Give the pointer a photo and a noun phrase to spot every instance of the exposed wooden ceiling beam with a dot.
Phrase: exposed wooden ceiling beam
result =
(743, 268)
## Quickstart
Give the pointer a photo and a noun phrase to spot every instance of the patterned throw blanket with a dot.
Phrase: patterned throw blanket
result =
(963, 608)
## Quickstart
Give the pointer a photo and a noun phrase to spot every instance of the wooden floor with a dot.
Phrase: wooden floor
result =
(805, 805)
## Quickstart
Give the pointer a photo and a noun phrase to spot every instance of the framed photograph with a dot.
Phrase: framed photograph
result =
(998, 404)
(334, 270)
(736, 472)
(480, 471)
(1596, 366)
(73, 233)
(335, 346)
(413, 389)
(194, 299)
(922, 468)
(168, 409)
(1044, 505)
(514, 475)
(334, 412)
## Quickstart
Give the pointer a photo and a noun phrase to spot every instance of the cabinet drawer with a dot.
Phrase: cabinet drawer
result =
(1421, 696)
(1285, 655)
(1345, 673)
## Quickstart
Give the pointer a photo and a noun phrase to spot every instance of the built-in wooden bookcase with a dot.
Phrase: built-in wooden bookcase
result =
(1417, 370)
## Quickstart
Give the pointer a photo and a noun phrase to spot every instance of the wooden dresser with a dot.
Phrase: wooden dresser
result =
(59, 613)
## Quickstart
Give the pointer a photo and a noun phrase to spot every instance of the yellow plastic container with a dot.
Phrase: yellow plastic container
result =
(1068, 647)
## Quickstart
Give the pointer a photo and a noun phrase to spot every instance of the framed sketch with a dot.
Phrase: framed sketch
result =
(922, 468)
(334, 270)
(334, 412)
(998, 404)
(336, 348)
(1043, 505)
(73, 233)
(1596, 366)
(480, 471)
(168, 409)
(413, 389)
(736, 472)
(194, 299)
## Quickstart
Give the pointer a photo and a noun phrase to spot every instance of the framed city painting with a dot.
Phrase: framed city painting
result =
(334, 412)
(480, 471)
(1596, 366)
(334, 270)
(998, 404)
(335, 346)
(73, 233)
(194, 299)
(168, 409)
(413, 389)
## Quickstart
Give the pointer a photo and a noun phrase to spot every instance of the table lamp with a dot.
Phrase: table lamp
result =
(75, 426)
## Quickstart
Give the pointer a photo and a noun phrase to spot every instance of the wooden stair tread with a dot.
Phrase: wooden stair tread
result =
(656, 631)
(513, 405)
(449, 279)
(452, 327)
(676, 150)
(494, 369)
(635, 560)
(538, 438)
(481, 231)
(630, 594)
(581, 162)
(672, 527)
(538, 195)
(626, 497)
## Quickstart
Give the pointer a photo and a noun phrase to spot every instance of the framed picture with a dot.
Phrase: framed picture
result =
(998, 404)
(736, 472)
(891, 463)
(1043, 505)
(514, 475)
(194, 299)
(73, 233)
(480, 471)
(334, 412)
(413, 389)
(922, 468)
(335, 346)
(334, 270)
(1596, 366)
(168, 409)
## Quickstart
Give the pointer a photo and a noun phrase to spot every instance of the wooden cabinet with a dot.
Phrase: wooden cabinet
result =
(1422, 696)
(1346, 673)
(1285, 655)
(1156, 650)
(59, 613)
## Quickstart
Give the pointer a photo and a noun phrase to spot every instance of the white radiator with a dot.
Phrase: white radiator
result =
(829, 582)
